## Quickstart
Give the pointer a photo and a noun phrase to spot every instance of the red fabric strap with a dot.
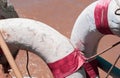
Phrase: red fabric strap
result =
(101, 21)
(91, 69)
(68, 65)
(100, 15)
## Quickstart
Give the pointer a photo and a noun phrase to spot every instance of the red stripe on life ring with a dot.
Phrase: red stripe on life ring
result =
(100, 15)
(67, 65)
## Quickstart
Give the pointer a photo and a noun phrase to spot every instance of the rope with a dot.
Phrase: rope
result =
(27, 53)
(113, 66)
(117, 43)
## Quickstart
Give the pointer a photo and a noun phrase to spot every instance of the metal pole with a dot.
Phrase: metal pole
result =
(112, 66)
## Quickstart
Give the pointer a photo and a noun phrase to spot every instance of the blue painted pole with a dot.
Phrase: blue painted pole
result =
(105, 66)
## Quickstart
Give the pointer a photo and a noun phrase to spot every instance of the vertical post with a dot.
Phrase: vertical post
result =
(9, 57)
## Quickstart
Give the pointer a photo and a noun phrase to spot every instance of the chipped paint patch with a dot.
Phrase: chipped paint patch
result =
(5, 34)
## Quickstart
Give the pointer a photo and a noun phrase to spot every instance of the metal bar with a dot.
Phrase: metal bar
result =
(112, 66)
(105, 66)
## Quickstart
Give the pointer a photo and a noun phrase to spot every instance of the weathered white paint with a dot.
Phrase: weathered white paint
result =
(85, 32)
(20, 33)
(35, 36)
